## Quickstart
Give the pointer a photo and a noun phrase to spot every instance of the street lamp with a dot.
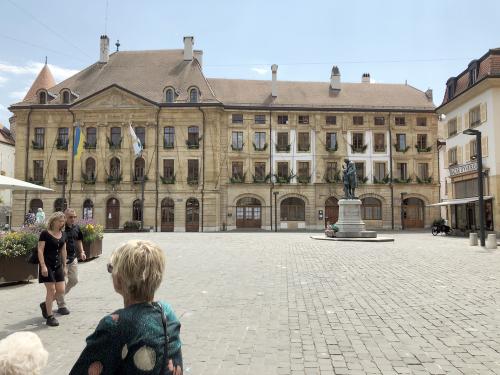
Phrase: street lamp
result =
(477, 133)
(275, 210)
(402, 212)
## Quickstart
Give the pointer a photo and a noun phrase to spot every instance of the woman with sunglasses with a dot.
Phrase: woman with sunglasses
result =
(143, 337)
(52, 259)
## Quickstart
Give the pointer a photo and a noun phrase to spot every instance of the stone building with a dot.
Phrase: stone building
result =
(471, 101)
(222, 154)
(7, 156)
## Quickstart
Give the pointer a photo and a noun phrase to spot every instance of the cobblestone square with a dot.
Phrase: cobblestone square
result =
(282, 303)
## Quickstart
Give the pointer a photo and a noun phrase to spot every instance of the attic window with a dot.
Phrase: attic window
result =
(42, 97)
(193, 95)
(66, 97)
(473, 73)
(169, 95)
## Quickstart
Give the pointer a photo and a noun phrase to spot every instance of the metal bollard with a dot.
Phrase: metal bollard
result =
(491, 241)
(473, 239)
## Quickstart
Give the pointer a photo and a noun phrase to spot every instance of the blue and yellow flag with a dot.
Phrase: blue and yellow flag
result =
(78, 142)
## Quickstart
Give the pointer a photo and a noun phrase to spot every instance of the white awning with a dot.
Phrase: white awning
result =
(9, 183)
(452, 202)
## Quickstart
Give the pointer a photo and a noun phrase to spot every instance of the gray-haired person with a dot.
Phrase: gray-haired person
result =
(74, 249)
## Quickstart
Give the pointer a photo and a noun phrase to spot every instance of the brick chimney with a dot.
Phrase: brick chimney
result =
(104, 49)
(428, 94)
(365, 78)
(188, 48)
(274, 87)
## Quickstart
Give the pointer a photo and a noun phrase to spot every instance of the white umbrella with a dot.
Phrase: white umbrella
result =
(10, 183)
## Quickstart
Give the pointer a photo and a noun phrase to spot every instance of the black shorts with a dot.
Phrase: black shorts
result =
(55, 275)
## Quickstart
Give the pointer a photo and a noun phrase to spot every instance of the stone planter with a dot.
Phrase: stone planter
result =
(92, 249)
(17, 269)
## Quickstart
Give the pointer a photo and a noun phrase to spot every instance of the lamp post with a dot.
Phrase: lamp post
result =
(275, 210)
(402, 212)
(480, 187)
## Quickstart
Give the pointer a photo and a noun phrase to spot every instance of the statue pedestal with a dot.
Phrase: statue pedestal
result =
(349, 223)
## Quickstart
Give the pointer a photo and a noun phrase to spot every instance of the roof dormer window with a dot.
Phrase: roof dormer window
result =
(194, 95)
(473, 71)
(169, 95)
(66, 97)
(42, 97)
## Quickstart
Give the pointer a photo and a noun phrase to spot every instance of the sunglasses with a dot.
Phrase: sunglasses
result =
(110, 267)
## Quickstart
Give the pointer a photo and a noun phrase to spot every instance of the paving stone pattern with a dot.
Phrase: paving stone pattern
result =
(268, 304)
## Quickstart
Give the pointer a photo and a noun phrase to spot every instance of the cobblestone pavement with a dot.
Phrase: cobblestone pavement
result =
(266, 303)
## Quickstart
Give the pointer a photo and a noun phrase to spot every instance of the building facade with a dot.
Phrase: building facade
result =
(222, 154)
(7, 156)
(472, 101)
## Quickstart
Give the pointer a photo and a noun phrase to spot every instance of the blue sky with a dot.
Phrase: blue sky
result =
(424, 42)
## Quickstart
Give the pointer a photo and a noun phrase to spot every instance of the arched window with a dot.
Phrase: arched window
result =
(66, 97)
(114, 167)
(42, 96)
(88, 209)
(371, 209)
(60, 204)
(169, 95)
(139, 167)
(193, 95)
(137, 210)
(90, 169)
(35, 204)
(293, 209)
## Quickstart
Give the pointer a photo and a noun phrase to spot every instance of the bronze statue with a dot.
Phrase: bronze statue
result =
(350, 180)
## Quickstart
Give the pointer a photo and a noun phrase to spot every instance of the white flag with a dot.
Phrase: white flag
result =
(136, 142)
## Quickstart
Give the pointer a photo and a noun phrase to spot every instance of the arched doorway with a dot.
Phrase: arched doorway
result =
(35, 204)
(60, 204)
(248, 213)
(113, 213)
(331, 210)
(192, 215)
(413, 213)
(137, 210)
(167, 215)
(371, 209)
(88, 209)
(293, 209)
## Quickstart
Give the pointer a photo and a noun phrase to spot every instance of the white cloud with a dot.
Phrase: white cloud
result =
(261, 71)
(19, 95)
(33, 68)
(2, 80)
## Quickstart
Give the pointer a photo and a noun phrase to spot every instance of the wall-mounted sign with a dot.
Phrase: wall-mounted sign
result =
(463, 168)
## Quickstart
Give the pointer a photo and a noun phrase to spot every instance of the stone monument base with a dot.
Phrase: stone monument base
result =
(349, 223)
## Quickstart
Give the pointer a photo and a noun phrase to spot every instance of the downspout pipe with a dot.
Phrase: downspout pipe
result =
(72, 160)
(157, 166)
(26, 163)
(203, 168)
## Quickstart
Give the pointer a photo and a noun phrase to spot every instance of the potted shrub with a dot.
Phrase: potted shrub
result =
(14, 249)
(132, 226)
(92, 237)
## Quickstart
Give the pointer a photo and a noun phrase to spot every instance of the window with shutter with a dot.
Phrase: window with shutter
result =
(467, 152)
(482, 108)
(459, 124)
(459, 155)
(484, 145)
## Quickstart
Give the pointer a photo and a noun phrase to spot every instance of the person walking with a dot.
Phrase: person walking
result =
(143, 337)
(74, 249)
(52, 259)
(40, 216)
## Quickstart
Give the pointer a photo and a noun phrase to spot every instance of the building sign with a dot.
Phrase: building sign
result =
(462, 169)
